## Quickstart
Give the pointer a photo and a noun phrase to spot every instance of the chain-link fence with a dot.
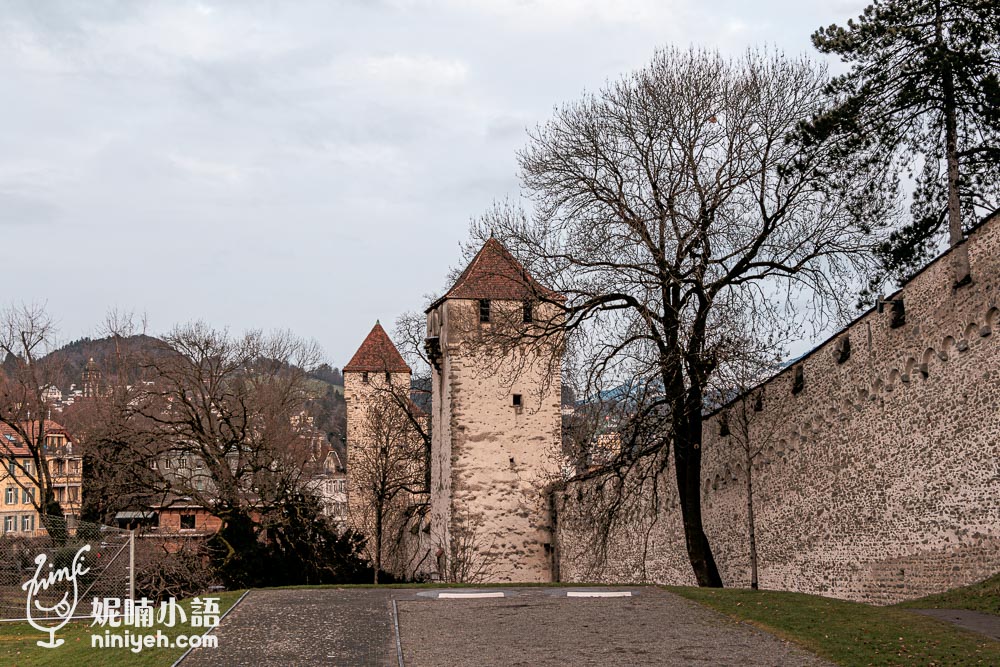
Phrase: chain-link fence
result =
(75, 559)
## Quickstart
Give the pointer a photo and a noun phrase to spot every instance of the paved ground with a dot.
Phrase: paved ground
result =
(348, 627)
(984, 624)
(539, 627)
(530, 626)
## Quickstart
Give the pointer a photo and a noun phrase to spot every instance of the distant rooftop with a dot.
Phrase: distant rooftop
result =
(377, 354)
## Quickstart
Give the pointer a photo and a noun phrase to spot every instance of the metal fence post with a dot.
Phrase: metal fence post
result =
(131, 565)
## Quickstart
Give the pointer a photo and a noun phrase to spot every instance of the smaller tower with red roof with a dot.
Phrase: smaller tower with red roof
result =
(376, 376)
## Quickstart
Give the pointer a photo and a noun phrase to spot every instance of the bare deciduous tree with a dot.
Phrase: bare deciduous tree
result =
(386, 467)
(218, 415)
(741, 419)
(676, 218)
(27, 335)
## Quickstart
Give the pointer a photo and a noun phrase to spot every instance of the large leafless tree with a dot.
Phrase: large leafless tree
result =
(220, 417)
(676, 218)
(27, 335)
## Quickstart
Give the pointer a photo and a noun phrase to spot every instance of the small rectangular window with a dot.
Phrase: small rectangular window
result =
(187, 521)
(484, 310)
(388, 377)
(526, 312)
(10, 524)
(517, 401)
(364, 377)
(28, 522)
(11, 497)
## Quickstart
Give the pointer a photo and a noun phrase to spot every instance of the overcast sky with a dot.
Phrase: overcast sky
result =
(310, 165)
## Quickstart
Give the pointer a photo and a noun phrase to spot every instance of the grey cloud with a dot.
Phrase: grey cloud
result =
(309, 164)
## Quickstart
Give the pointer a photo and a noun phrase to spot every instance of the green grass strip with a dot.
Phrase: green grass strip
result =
(850, 633)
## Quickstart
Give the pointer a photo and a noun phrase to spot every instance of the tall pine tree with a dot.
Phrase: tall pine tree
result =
(922, 99)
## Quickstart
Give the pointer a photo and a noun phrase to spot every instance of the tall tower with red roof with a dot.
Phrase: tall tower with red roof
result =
(496, 423)
(375, 372)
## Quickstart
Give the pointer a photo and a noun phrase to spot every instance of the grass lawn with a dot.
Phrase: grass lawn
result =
(18, 647)
(850, 633)
(984, 596)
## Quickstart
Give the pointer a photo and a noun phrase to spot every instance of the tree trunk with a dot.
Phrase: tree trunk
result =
(750, 524)
(956, 237)
(378, 544)
(687, 464)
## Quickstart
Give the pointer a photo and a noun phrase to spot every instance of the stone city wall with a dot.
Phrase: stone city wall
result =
(879, 478)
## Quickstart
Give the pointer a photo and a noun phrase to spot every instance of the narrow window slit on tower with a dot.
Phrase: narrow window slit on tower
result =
(516, 401)
(526, 312)
(388, 377)
(484, 310)
(364, 377)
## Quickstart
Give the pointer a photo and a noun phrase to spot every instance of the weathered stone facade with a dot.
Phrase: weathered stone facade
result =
(496, 431)
(374, 378)
(880, 477)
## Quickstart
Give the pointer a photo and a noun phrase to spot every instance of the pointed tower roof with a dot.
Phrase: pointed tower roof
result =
(377, 354)
(494, 273)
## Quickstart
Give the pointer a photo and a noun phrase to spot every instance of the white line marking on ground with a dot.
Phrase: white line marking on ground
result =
(460, 596)
(598, 594)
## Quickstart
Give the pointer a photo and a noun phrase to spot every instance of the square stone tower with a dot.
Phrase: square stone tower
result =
(495, 421)
(385, 455)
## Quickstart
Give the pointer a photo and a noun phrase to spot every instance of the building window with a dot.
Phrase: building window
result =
(516, 402)
(364, 377)
(187, 521)
(484, 310)
(74, 493)
(388, 377)
(27, 495)
(9, 524)
(11, 496)
(12, 467)
(28, 468)
(527, 314)
(28, 522)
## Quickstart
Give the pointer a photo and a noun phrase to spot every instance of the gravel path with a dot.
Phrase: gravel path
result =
(349, 627)
(542, 627)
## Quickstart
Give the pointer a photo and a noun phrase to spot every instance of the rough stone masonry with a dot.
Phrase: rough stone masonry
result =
(880, 475)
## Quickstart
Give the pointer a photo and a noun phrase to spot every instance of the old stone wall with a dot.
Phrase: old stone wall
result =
(492, 459)
(878, 480)
(406, 542)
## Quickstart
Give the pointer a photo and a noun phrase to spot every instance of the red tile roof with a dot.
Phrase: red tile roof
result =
(13, 444)
(377, 354)
(495, 274)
